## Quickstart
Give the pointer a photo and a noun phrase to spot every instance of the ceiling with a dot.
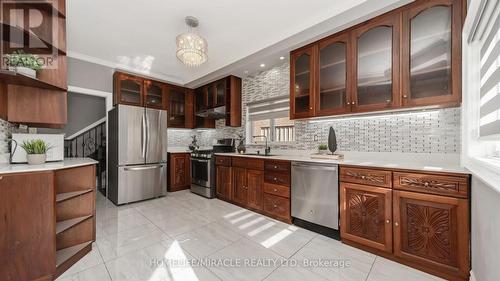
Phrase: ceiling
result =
(139, 37)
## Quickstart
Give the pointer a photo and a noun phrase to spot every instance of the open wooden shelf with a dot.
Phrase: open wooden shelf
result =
(68, 195)
(67, 224)
(12, 77)
(64, 255)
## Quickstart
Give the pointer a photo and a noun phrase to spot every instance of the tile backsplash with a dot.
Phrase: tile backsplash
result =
(432, 131)
(5, 131)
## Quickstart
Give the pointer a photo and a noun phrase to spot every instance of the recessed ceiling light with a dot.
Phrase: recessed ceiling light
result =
(282, 58)
(262, 65)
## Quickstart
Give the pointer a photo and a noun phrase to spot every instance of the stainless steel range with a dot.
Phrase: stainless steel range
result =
(203, 167)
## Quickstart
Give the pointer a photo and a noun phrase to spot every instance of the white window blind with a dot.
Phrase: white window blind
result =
(270, 118)
(489, 54)
(269, 108)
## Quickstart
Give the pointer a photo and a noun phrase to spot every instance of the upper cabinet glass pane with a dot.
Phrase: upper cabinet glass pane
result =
(130, 91)
(430, 53)
(332, 76)
(302, 83)
(374, 81)
(221, 92)
(154, 95)
(210, 95)
(176, 107)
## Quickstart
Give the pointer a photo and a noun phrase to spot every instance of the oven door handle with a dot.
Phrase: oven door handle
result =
(199, 160)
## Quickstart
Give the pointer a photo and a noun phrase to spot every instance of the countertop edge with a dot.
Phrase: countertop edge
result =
(359, 163)
(50, 166)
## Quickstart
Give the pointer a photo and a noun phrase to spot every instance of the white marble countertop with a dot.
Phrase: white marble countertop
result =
(50, 166)
(178, 150)
(446, 163)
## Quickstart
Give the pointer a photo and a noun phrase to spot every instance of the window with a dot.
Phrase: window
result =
(270, 118)
(481, 86)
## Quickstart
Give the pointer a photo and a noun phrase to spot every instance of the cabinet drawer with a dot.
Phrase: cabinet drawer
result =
(277, 206)
(366, 176)
(277, 166)
(248, 163)
(277, 178)
(433, 184)
(223, 160)
(279, 190)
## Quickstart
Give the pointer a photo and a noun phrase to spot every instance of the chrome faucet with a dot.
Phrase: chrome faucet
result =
(268, 149)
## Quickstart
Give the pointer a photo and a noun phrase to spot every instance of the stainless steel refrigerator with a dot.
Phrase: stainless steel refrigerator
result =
(137, 153)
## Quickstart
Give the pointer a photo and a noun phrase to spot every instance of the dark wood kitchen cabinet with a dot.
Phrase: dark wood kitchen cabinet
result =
(155, 95)
(433, 231)
(302, 82)
(240, 189)
(179, 171)
(420, 219)
(333, 79)
(223, 180)
(128, 89)
(201, 104)
(376, 65)
(366, 215)
(277, 190)
(431, 53)
(180, 107)
(407, 58)
(254, 183)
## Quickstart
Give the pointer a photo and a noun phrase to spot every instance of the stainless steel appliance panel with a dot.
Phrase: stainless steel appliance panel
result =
(156, 136)
(201, 170)
(315, 193)
(141, 182)
(132, 131)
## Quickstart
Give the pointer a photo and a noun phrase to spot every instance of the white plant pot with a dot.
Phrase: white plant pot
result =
(323, 152)
(23, 70)
(36, 159)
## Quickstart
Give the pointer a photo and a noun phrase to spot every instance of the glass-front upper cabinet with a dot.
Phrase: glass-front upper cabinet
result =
(431, 53)
(210, 95)
(176, 107)
(302, 86)
(128, 89)
(155, 97)
(200, 99)
(333, 96)
(220, 92)
(376, 48)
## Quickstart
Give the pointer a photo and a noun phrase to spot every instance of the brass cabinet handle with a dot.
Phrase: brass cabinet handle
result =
(1, 177)
(405, 96)
(348, 103)
(275, 190)
(276, 167)
(275, 179)
(388, 221)
(310, 107)
(396, 224)
(353, 103)
(275, 206)
(426, 183)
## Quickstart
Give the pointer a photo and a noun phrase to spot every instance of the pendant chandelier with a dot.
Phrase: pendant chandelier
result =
(192, 49)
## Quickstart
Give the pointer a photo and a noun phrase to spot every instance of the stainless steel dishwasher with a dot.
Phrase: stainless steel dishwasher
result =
(315, 193)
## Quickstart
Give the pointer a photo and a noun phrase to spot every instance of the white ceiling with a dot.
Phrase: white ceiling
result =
(139, 36)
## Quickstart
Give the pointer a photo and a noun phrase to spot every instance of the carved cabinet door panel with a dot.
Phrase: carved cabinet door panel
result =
(432, 230)
(366, 215)
(240, 189)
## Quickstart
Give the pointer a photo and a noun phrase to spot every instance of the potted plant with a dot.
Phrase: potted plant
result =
(26, 64)
(36, 151)
(323, 149)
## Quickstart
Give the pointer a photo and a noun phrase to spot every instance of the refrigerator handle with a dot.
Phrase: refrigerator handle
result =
(147, 134)
(143, 136)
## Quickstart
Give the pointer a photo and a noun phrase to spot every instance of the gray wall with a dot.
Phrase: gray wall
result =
(83, 110)
(89, 75)
(485, 231)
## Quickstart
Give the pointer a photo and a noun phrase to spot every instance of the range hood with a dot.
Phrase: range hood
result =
(213, 113)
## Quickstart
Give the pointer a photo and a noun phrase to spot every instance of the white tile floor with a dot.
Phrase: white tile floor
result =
(185, 237)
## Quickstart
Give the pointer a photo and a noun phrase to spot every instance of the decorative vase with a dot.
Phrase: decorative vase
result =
(241, 148)
(36, 159)
(23, 70)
